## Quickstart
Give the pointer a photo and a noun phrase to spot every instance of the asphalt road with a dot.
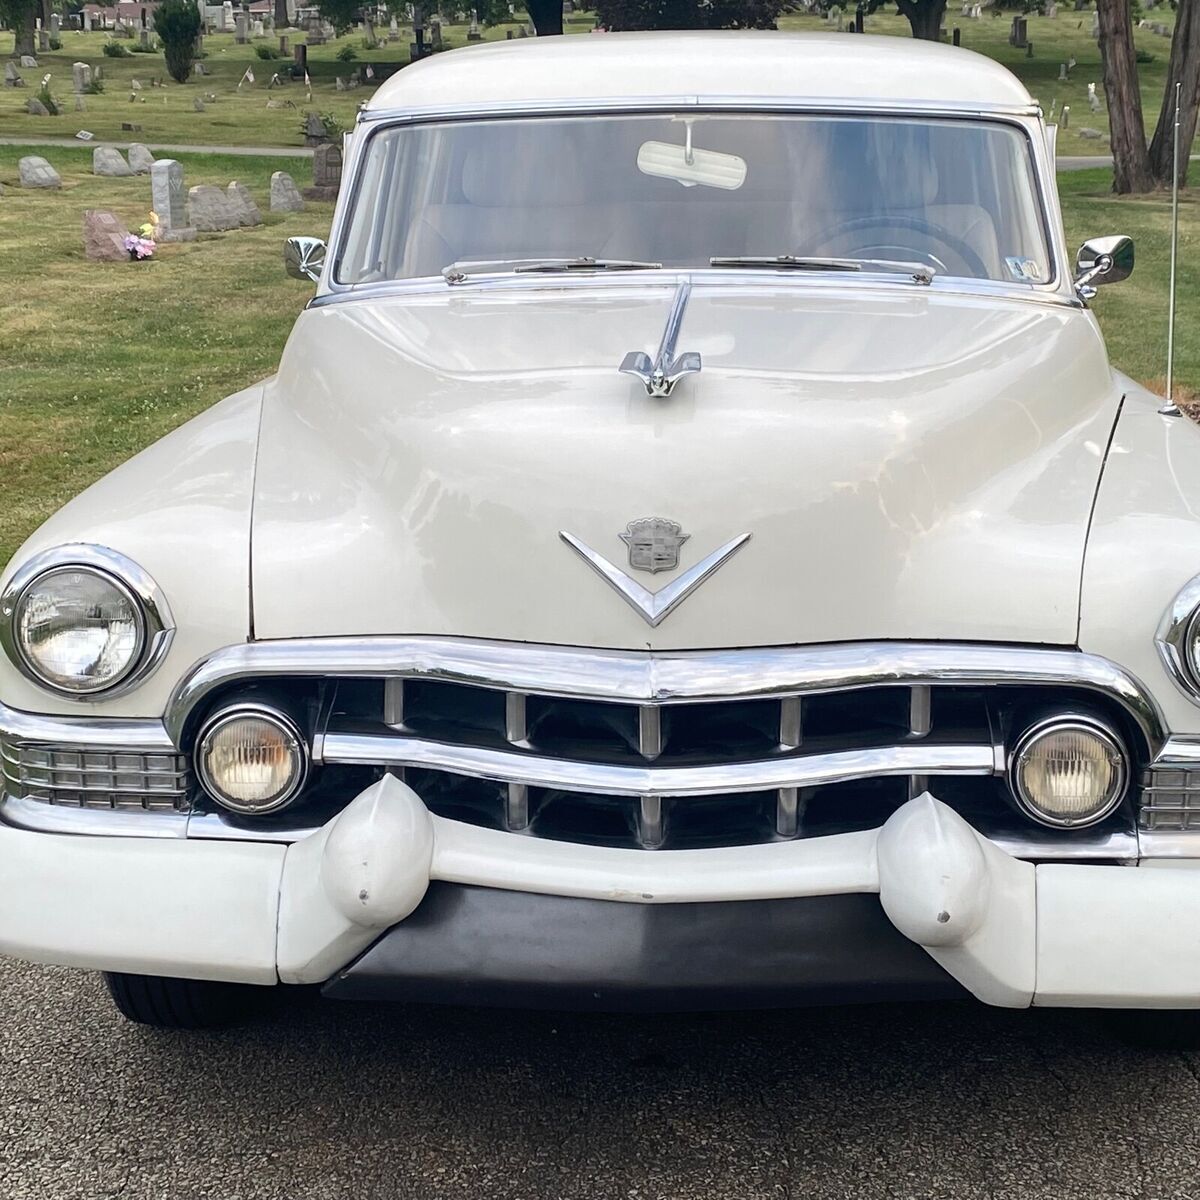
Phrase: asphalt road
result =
(327, 1100)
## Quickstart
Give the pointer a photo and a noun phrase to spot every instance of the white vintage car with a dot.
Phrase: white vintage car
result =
(695, 552)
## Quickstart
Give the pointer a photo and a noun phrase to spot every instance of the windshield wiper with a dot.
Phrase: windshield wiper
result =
(458, 272)
(917, 272)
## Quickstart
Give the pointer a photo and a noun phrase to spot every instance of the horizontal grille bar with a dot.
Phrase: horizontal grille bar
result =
(810, 770)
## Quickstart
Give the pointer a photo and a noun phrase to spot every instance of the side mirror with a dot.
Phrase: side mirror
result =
(304, 257)
(1103, 260)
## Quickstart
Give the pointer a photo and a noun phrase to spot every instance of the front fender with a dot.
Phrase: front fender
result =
(1144, 545)
(181, 510)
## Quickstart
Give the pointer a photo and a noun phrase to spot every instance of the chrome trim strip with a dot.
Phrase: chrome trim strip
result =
(158, 626)
(86, 733)
(506, 766)
(1174, 632)
(40, 817)
(732, 277)
(676, 676)
(1180, 753)
(717, 102)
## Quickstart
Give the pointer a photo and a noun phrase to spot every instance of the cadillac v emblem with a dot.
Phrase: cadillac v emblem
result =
(653, 544)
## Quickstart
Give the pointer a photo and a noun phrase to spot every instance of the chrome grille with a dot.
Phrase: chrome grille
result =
(88, 777)
(674, 774)
(1170, 798)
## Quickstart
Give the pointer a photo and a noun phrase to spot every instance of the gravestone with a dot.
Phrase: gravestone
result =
(256, 29)
(1062, 72)
(209, 210)
(35, 108)
(29, 62)
(300, 57)
(43, 41)
(1095, 26)
(108, 161)
(11, 77)
(314, 130)
(283, 45)
(285, 195)
(242, 203)
(166, 199)
(1092, 135)
(227, 16)
(199, 69)
(327, 173)
(957, 36)
(35, 172)
(1018, 36)
(198, 104)
(104, 237)
(81, 77)
(87, 21)
(144, 39)
(1064, 121)
(140, 159)
(241, 23)
(1093, 99)
(80, 103)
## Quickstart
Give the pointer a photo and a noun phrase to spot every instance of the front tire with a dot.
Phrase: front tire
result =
(167, 1003)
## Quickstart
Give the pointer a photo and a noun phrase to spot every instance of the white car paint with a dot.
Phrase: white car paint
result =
(913, 463)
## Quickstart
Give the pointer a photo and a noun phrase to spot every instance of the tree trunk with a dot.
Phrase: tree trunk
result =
(1131, 160)
(546, 16)
(281, 14)
(1185, 69)
(23, 30)
(925, 17)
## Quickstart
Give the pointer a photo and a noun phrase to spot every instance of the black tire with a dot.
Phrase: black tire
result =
(167, 1003)
(1160, 1030)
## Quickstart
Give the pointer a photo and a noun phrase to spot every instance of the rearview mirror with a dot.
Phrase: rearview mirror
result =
(1104, 260)
(304, 257)
(689, 166)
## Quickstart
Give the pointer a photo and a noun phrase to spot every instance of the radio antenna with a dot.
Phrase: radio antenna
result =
(1171, 409)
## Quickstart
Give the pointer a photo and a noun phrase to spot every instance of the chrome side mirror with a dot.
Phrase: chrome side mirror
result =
(304, 257)
(1103, 260)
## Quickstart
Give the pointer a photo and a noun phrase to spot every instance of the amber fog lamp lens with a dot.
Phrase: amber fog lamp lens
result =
(78, 630)
(1069, 774)
(251, 762)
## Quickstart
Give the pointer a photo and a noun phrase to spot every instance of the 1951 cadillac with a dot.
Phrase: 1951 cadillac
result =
(695, 553)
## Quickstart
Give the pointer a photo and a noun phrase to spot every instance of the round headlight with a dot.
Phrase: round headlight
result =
(251, 760)
(78, 629)
(1068, 772)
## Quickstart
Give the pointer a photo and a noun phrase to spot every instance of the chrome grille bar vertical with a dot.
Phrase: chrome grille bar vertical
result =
(516, 808)
(787, 800)
(393, 702)
(650, 822)
(515, 725)
(650, 731)
(920, 722)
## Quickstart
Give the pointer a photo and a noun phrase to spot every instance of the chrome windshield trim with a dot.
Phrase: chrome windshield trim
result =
(676, 676)
(86, 733)
(1058, 290)
(717, 102)
(605, 779)
(727, 277)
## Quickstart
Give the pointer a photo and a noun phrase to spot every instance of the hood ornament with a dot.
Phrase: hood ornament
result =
(654, 546)
(661, 375)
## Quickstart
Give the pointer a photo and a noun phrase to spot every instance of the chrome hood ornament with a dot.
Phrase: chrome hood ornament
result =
(652, 541)
(661, 375)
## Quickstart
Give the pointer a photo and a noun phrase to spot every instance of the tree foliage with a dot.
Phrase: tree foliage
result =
(688, 14)
(178, 23)
(925, 17)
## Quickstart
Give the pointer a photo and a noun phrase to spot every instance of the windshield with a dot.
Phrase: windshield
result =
(682, 189)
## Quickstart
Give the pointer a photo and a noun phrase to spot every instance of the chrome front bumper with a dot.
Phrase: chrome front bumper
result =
(1011, 933)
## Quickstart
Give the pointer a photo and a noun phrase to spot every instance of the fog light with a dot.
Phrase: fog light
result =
(1068, 772)
(251, 760)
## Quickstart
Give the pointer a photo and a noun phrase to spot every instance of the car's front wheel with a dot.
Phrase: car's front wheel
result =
(181, 1003)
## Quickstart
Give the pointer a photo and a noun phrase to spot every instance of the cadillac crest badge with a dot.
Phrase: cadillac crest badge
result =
(653, 544)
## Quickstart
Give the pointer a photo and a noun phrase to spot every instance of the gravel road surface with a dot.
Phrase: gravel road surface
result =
(327, 1100)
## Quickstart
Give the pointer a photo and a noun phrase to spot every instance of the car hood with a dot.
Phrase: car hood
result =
(908, 463)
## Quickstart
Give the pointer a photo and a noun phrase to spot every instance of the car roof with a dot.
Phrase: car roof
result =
(843, 70)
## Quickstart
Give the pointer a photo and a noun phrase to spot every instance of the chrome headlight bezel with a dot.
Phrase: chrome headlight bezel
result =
(1061, 722)
(157, 627)
(1175, 637)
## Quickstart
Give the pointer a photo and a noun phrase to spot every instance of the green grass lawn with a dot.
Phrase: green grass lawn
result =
(242, 118)
(98, 360)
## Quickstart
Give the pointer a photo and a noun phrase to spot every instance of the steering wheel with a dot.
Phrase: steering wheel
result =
(957, 246)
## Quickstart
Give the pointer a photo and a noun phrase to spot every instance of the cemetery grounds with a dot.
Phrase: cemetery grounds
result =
(97, 360)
